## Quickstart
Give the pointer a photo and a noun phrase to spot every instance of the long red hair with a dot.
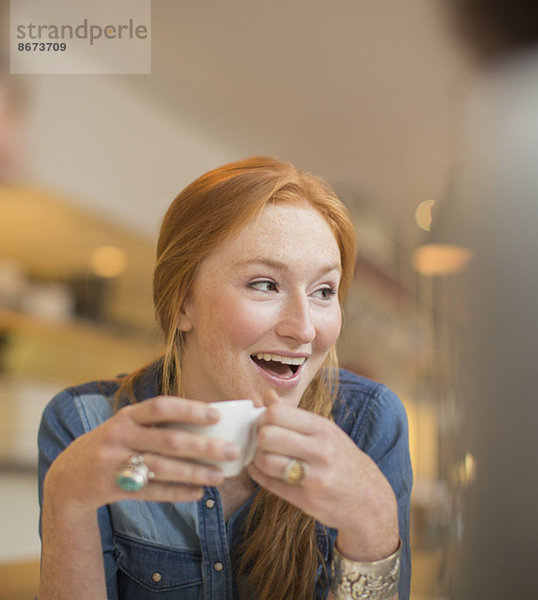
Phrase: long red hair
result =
(279, 554)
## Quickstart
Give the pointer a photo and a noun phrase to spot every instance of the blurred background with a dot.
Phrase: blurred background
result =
(369, 95)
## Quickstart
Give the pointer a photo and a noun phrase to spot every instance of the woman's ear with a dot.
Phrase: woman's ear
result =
(184, 320)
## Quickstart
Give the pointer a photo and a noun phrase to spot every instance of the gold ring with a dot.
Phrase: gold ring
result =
(295, 472)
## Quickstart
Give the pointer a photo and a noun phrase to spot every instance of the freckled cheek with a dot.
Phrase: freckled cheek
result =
(329, 329)
(248, 327)
(242, 324)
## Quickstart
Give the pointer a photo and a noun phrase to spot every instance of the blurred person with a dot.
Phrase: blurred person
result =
(499, 217)
(254, 261)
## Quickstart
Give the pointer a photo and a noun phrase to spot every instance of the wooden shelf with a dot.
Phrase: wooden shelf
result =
(73, 351)
(20, 322)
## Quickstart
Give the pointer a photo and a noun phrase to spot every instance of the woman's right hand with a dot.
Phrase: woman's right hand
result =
(83, 476)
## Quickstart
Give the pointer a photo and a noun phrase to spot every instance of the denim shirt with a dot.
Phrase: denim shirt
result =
(182, 551)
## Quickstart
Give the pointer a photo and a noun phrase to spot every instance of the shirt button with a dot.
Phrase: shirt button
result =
(156, 577)
(218, 566)
(210, 503)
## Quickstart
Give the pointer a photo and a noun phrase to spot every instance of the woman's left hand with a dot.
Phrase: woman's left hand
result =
(342, 486)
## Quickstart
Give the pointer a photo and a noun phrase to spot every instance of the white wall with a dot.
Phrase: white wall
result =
(120, 154)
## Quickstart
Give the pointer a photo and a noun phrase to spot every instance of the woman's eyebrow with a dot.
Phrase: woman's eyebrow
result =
(282, 266)
(265, 262)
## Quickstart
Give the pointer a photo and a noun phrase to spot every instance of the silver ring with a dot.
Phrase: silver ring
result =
(133, 474)
(295, 472)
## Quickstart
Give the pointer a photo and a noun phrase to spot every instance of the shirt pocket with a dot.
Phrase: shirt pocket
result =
(148, 572)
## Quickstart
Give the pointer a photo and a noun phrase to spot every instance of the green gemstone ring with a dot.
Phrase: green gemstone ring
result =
(133, 474)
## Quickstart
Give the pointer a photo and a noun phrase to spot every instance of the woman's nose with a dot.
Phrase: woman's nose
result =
(296, 321)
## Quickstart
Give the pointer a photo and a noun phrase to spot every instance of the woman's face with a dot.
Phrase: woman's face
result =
(263, 311)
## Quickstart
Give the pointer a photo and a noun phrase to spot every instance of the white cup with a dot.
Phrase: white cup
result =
(237, 424)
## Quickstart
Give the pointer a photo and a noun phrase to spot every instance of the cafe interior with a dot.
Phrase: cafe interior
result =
(370, 95)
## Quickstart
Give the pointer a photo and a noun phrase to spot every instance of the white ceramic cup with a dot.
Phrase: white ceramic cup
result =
(237, 423)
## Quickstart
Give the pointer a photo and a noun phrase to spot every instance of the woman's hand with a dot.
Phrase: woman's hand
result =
(342, 486)
(83, 476)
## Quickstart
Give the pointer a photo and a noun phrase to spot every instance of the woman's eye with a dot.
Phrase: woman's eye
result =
(325, 293)
(263, 286)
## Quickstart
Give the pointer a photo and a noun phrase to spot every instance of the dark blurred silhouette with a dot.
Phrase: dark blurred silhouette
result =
(499, 220)
(495, 28)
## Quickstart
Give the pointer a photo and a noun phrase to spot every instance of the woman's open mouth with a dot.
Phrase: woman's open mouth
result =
(277, 365)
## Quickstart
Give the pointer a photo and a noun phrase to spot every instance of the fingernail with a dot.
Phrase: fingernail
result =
(212, 414)
(231, 451)
(198, 493)
(214, 476)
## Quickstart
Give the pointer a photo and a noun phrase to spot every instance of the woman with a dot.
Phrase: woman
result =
(254, 261)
